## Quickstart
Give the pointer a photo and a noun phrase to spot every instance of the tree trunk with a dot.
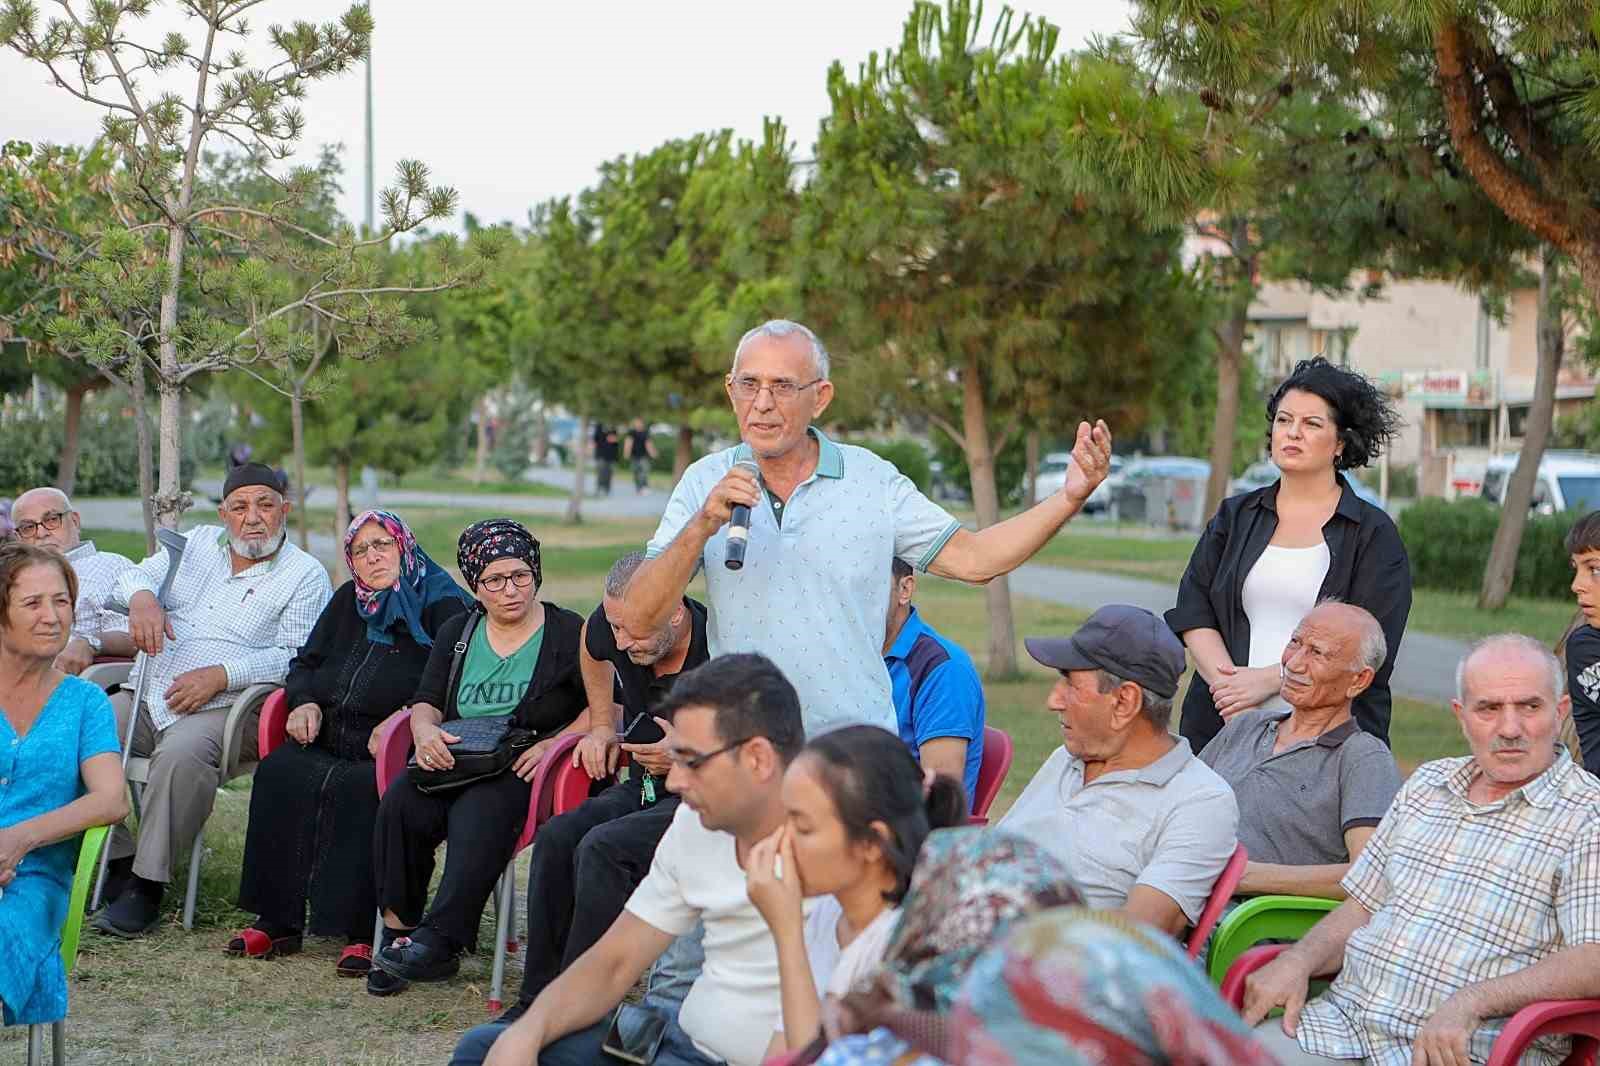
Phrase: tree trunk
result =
(683, 454)
(297, 429)
(541, 438)
(67, 469)
(341, 508)
(147, 481)
(986, 501)
(1501, 569)
(1230, 333)
(580, 449)
(1030, 445)
(481, 460)
(170, 502)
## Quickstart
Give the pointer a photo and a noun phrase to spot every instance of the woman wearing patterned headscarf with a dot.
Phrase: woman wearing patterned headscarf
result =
(520, 659)
(314, 802)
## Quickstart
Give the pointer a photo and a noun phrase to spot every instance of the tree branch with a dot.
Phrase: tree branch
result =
(950, 430)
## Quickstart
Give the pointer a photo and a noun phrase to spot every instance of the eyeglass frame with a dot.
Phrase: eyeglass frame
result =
(694, 762)
(382, 544)
(483, 582)
(43, 523)
(734, 386)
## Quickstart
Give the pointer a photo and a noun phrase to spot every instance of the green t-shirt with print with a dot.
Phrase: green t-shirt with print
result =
(490, 684)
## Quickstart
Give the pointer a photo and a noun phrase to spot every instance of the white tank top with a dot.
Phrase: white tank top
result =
(1281, 589)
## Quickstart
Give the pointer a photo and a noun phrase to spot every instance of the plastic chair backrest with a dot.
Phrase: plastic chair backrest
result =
(556, 786)
(82, 881)
(270, 729)
(1259, 919)
(394, 746)
(1221, 893)
(992, 771)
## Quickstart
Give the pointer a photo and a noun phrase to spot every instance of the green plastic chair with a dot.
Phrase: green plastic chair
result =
(82, 881)
(1258, 919)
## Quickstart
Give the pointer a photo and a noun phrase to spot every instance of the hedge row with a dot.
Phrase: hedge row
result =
(108, 462)
(1449, 543)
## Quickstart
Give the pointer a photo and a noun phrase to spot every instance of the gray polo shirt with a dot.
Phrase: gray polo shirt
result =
(1169, 825)
(1295, 806)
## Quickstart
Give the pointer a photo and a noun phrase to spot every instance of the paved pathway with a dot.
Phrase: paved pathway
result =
(1425, 670)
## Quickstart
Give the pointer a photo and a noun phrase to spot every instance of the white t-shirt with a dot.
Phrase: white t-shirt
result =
(734, 1003)
(836, 969)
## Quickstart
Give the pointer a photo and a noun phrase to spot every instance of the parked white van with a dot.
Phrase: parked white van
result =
(1567, 481)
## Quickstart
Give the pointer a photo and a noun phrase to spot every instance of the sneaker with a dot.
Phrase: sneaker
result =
(423, 957)
(380, 983)
(133, 913)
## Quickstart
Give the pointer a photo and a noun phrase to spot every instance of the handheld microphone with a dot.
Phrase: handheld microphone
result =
(739, 523)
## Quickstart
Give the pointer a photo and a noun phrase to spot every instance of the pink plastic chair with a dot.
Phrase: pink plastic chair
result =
(1577, 1018)
(270, 729)
(992, 771)
(1227, 884)
(557, 787)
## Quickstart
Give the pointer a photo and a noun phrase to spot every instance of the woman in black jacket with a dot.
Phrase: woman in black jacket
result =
(520, 658)
(1267, 557)
(314, 801)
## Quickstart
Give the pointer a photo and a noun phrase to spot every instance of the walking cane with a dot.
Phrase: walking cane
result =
(174, 543)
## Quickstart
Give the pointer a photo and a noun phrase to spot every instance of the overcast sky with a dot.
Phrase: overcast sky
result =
(513, 101)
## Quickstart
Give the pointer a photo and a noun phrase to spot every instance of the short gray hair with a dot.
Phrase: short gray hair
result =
(1513, 642)
(1157, 710)
(622, 572)
(782, 327)
(49, 492)
(1374, 648)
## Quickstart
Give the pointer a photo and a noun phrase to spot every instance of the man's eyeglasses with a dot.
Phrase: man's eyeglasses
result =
(376, 544)
(520, 578)
(692, 761)
(49, 522)
(748, 388)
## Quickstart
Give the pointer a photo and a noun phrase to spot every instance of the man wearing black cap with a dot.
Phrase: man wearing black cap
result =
(241, 604)
(1142, 825)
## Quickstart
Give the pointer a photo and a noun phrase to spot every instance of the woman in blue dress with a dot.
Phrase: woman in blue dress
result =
(59, 774)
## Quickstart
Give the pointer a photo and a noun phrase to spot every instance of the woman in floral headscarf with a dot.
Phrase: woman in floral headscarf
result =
(314, 801)
(519, 659)
(995, 962)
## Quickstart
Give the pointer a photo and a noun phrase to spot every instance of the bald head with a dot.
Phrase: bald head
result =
(1357, 622)
(1511, 709)
(37, 509)
(1492, 655)
(1331, 659)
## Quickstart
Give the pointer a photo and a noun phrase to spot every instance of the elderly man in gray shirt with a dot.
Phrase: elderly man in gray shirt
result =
(1311, 785)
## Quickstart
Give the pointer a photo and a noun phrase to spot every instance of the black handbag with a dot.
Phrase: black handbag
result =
(487, 746)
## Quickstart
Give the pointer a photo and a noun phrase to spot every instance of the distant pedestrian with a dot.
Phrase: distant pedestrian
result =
(238, 455)
(641, 450)
(605, 449)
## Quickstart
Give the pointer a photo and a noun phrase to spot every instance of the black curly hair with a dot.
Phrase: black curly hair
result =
(1366, 419)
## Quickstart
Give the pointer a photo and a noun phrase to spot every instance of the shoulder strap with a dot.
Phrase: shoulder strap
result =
(459, 656)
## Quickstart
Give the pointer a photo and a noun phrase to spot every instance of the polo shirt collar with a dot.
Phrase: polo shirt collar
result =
(830, 457)
(1157, 773)
(1542, 791)
(908, 635)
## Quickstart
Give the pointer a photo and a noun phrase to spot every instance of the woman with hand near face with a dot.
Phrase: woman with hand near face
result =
(1267, 557)
(60, 773)
(315, 798)
(858, 811)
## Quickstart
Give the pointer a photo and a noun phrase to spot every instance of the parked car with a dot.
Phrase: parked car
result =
(1566, 481)
(1053, 475)
(1259, 475)
(1131, 487)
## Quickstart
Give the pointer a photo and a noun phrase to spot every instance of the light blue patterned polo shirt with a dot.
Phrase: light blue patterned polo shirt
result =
(814, 593)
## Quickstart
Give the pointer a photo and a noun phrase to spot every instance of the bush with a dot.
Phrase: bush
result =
(108, 453)
(908, 456)
(1010, 467)
(1449, 545)
(667, 452)
(1402, 481)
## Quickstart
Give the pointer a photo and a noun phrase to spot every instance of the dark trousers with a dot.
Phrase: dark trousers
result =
(480, 823)
(602, 476)
(605, 846)
(582, 1048)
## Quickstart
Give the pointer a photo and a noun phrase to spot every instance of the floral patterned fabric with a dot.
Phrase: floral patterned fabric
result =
(496, 538)
(422, 583)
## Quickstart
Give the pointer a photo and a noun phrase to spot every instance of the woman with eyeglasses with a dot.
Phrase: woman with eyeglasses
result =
(511, 655)
(314, 801)
(858, 810)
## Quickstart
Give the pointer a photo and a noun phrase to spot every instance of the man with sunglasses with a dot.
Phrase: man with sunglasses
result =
(825, 521)
(736, 726)
(44, 516)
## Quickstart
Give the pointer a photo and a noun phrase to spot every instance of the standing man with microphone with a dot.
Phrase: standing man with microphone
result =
(795, 533)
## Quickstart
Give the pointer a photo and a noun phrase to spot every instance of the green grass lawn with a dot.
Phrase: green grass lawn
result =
(174, 998)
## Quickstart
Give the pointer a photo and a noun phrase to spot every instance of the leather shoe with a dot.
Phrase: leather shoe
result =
(133, 913)
(419, 958)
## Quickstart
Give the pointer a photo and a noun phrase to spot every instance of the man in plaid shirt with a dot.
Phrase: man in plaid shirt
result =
(243, 602)
(1478, 894)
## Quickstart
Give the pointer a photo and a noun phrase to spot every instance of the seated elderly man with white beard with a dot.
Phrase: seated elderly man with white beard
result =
(1312, 786)
(241, 604)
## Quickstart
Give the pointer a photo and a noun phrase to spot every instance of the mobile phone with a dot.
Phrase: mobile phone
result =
(642, 730)
(635, 1035)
